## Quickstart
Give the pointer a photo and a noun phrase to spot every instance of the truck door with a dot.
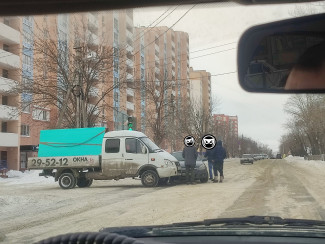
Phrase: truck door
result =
(112, 157)
(136, 155)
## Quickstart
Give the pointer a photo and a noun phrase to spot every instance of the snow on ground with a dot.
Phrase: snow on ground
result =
(301, 162)
(16, 177)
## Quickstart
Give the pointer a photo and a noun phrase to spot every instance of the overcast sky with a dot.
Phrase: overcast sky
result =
(260, 116)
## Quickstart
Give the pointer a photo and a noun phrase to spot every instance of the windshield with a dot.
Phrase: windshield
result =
(167, 76)
(150, 144)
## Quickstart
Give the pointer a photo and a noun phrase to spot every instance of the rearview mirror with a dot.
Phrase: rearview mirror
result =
(284, 56)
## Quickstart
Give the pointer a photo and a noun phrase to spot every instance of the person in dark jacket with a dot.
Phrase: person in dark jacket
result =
(219, 154)
(190, 155)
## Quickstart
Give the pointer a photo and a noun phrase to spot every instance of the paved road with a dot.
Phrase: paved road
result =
(33, 212)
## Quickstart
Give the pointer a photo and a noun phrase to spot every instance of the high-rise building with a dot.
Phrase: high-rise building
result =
(161, 57)
(200, 90)
(10, 65)
(22, 118)
(226, 129)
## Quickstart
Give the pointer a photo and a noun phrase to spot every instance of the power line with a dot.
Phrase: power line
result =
(147, 30)
(214, 53)
(213, 47)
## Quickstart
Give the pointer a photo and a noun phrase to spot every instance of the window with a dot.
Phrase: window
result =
(133, 145)
(6, 47)
(40, 114)
(115, 38)
(142, 60)
(5, 73)
(112, 145)
(24, 130)
(26, 107)
(4, 127)
(4, 100)
(116, 24)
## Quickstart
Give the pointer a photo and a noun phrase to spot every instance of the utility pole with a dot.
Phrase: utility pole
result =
(77, 89)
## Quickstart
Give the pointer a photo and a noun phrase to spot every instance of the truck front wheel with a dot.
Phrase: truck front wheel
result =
(67, 181)
(149, 178)
(83, 182)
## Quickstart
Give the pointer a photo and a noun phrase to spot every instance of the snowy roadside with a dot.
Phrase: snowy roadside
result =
(16, 177)
(300, 161)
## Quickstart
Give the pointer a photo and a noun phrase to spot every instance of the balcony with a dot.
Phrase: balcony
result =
(157, 70)
(129, 77)
(129, 21)
(92, 22)
(157, 48)
(129, 48)
(130, 92)
(6, 85)
(92, 39)
(156, 58)
(92, 109)
(93, 92)
(8, 139)
(129, 63)
(8, 112)
(174, 93)
(9, 60)
(9, 35)
(130, 106)
(129, 34)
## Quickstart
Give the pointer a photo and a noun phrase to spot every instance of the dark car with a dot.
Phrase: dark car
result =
(201, 171)
(278, 156)
(247, 158)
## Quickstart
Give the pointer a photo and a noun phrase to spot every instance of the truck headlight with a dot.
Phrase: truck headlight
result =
(168, 162)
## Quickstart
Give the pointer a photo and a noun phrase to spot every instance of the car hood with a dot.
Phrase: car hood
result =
(198, 163)
(167, 155)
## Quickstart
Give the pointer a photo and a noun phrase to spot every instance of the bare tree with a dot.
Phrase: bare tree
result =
(195, 121)
(70, 76)
(160, 104)
(306, 122)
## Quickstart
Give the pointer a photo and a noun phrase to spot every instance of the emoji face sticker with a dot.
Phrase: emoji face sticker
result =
(208, 142)
(189, 141)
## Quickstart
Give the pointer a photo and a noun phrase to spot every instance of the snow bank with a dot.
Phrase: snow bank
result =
(317, 164)
(28, 177)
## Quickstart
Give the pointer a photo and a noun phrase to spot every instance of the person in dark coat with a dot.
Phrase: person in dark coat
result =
(190, 155)
(219, 154)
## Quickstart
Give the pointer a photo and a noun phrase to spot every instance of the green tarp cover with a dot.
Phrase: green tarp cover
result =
(71, 142)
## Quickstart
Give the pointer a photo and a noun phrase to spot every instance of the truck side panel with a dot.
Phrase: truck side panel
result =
(64, 162)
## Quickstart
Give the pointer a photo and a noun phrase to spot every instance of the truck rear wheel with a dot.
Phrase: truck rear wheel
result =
(67, 181)
(83, 182)
(149, 178)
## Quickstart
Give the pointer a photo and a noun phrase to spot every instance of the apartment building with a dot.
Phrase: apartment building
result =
(110, 97)
(200, 90)
(10, 65)
(226, 129)
(161, 61)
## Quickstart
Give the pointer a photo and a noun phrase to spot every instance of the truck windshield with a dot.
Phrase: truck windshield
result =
(150, 144)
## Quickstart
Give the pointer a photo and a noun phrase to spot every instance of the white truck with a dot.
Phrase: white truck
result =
(123, 154)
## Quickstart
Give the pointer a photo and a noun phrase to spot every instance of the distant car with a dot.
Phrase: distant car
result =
(278, 156)
(256, 157)
(247, 158)
(201, 171)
